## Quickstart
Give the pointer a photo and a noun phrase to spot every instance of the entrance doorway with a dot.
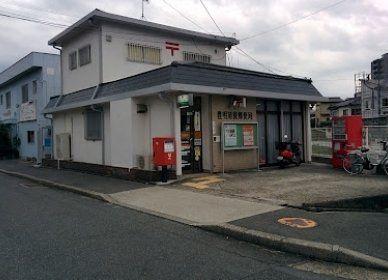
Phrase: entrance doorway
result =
(191, 137)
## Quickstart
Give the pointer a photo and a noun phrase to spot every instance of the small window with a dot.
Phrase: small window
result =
(73, 60)
(204, 58)
(34, 87)
(345, 112)
(385, 102)
(30, 136)
(1, 99)
(25, 93)
(366, 104)
(84, 56)
(144, 54)
(8, 100)
(93, 125)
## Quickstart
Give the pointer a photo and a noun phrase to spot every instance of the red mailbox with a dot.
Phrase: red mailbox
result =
(164, 151)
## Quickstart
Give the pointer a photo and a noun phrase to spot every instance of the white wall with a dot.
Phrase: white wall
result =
(85, 76)
(82, 150)
(121, 133)
(115, 53)
(157, 122)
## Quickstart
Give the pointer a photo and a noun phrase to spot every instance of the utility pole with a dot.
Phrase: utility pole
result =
(142, 8)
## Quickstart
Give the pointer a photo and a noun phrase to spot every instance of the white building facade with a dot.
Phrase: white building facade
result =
(121, 78)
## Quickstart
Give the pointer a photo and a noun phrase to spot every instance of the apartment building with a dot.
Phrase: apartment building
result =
(25, 89)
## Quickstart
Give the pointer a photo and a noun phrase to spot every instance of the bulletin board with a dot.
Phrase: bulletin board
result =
(239, 136)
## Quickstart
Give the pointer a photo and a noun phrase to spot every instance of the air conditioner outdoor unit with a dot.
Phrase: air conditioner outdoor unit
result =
(63, 148)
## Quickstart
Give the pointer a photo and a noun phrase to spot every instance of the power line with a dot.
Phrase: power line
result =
(293, 21)
(184, 16)
(241, 51)
(215, 23)
(30, 19)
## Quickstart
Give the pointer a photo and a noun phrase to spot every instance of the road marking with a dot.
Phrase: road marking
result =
(203, 182)
(297, 222)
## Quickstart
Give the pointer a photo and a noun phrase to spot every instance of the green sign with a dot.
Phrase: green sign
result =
(239, 136)
(185, 100)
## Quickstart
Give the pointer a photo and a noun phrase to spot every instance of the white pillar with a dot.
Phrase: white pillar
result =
(308, 143)
(176, 127)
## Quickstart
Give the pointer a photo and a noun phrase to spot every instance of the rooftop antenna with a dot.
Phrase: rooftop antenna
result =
(142, 8)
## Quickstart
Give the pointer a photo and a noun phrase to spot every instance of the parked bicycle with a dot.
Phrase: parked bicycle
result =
(356, 161)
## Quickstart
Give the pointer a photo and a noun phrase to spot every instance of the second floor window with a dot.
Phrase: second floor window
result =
(144, 54)
(34, 87)
(8, 100)
(73, 60)
(25, 93)
(385, 102)
(84, 55)
(1, 99)
(189, 56)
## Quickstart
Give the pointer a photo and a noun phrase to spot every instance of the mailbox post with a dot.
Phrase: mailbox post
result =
(164, 154)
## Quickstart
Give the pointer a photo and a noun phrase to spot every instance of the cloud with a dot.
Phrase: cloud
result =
(330, 47)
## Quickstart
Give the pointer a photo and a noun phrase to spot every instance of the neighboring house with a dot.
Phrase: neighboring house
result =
(374, 93)
(126, 81)
(25, 89)
(322, 114)
(348, 107)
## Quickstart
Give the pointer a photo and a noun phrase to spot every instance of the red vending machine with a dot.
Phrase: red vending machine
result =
(346, 137)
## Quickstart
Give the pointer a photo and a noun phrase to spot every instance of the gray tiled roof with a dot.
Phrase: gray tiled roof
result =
(209, 76)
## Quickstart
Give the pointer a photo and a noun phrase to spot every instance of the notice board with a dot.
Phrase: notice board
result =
(236, 135)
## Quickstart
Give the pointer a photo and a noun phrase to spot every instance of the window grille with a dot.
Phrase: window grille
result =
(189, 56)
(93, 124)
(144, 54)
(73, 60)
(84, 55)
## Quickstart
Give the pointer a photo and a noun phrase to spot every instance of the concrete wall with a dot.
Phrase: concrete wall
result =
(83, 150)
(128, 134)
(87, 75)
(115, 53)
(237, 159)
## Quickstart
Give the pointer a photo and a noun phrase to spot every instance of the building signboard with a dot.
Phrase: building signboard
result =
(27, 112)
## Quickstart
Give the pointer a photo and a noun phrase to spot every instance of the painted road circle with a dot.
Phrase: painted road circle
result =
(297, 222)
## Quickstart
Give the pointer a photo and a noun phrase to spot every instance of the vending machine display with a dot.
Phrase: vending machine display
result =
(346, 137)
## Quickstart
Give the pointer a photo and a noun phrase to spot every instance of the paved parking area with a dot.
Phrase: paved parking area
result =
(309, 183)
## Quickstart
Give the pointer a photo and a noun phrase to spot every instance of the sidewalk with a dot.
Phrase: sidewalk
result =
(350, 237)
(95, 183)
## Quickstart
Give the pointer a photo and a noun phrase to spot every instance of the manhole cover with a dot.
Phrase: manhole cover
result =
(298, 222)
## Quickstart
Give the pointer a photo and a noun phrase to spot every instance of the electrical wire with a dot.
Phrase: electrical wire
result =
(215, 23)
(30, 19)
(185, 17)
(292, 21)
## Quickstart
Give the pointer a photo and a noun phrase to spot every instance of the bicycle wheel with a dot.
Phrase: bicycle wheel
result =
(353, 164)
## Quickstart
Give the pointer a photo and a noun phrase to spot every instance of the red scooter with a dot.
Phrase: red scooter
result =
(289, 153)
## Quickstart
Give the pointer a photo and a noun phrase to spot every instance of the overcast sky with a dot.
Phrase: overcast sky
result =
(329, 47)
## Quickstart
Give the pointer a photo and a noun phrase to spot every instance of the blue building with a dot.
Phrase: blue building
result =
(25, 89)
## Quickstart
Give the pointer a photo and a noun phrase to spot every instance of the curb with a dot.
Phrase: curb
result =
(51, 184)
(311, 249)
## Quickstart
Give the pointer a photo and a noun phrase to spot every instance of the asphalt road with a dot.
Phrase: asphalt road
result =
(50, 234)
